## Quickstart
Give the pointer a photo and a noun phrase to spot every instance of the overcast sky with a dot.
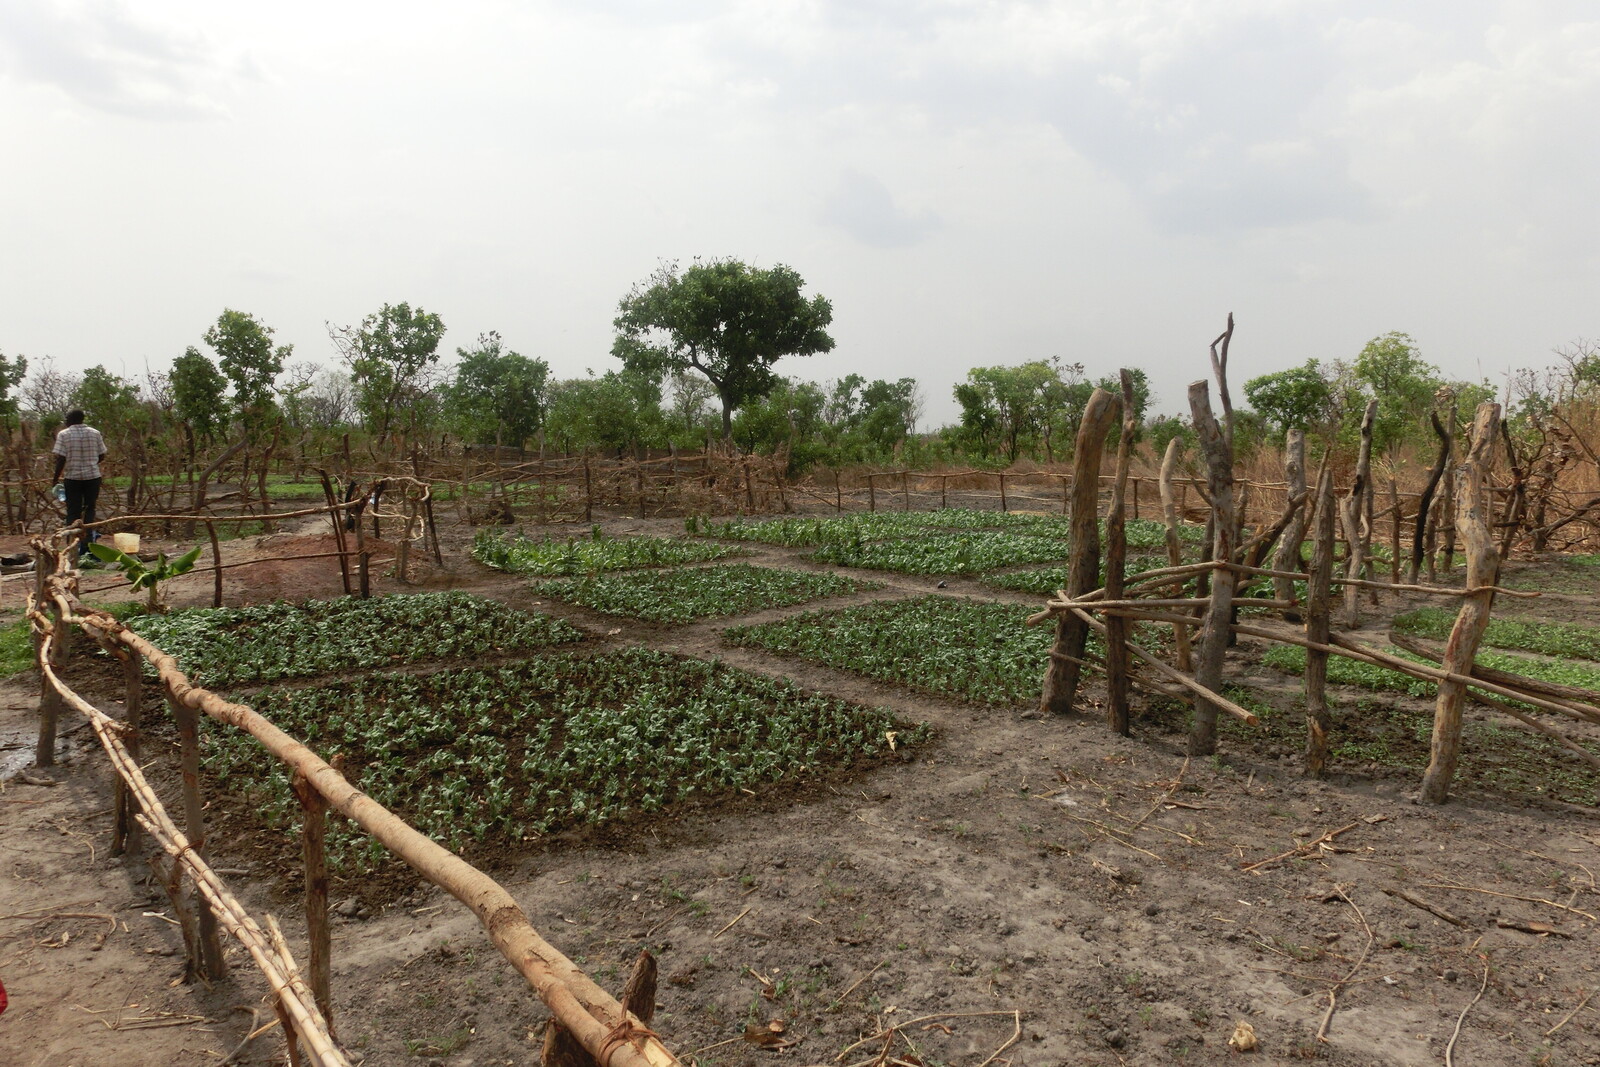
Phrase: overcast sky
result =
(968, 183)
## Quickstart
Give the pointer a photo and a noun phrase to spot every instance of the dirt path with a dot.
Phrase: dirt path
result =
(1091, 883)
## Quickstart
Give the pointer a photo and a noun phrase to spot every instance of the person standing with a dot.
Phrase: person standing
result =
(79, 450)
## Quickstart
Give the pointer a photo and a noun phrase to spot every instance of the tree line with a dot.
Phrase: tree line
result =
(696, 353)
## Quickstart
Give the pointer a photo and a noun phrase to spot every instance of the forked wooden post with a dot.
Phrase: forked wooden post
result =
(1117, 683)
(1169, 510)
(1473, 515)
(1217, 625)
(1083, 568)
(124, 828)
(1355, 531)
(313, 847)
(1318, 608)
(1287, 557)
(211, 964)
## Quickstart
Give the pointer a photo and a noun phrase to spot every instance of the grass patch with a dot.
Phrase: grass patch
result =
(703, 592)
(588, 555)
(489, 756)
(962, 647)
(273, 642)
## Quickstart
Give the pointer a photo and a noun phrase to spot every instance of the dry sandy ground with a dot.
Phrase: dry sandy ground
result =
(1020, 874)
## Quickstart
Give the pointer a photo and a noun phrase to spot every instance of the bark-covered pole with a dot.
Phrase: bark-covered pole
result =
(1169, 511)
(1083, 568)
(1473, 514)
(313, 848)
(1288, 554)
(1422, 535)
(1216, 626)
(1318, 608)
(1117, 684)
(1355, 532)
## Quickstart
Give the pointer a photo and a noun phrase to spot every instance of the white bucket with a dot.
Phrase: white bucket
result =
(126, 542)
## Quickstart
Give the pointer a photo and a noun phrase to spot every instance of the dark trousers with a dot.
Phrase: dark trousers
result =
(82, 495)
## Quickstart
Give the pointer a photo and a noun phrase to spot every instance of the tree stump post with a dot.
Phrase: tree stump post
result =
(1003, 507)
(44, 753)
(1318, 609)
(1065, 668)
(1217, 625)
(1117, 625)
(1483, 570)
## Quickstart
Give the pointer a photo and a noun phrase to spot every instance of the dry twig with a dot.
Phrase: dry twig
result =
(1333, 994)
(1449, 1050)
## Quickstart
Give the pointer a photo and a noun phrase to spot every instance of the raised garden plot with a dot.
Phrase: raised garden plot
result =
(881, 525)
(1045, 581)
(480, 756)
(1292, 659)
(220, 647)
(589, 555)
(953, 553)
(702, 592)
(967, 648)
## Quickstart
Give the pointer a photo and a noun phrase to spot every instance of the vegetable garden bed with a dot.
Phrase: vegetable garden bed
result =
(589, 555)
(968, 648)
(275, 642)
(494, 757)
(701, 592)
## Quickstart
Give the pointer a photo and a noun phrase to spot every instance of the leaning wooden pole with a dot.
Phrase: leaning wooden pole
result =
(1422, 535)
(1287, 557)
(1117, 682)
(1355, 529)
(1216, 626)
(1065, 669)
(1318, 609)
(1169, 512)
(1473, 515)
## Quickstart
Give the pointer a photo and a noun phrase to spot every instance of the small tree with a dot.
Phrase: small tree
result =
(244, 350)
(497, 396)
(11, 374)
(729, 321)
(199, 395)
(1300, 398)
(389, 356)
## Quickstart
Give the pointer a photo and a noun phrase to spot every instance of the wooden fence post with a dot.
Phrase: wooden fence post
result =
(1473, 515)
(211, 963)
(125, 828)
(872, 494)
(44, 753)
(1003, 507)
(1318, 608)
(1287, 557)
(1422, 536)
(1169, 508)
(1083, 568)
(313, 847)
(1117, 625)
(1354, 535)
(905, 489)
(1217, 625)
(588, 489)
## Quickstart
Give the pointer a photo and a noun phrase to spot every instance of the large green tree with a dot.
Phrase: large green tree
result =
(729, 321)
(1299, 398)
(497, 396)
(247, 357)
(12, 372)
(390, 355)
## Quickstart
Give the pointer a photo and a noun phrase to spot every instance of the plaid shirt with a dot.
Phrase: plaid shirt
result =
(82, 446)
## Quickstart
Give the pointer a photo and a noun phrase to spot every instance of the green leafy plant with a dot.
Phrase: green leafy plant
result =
(591, 555)
(147, 577)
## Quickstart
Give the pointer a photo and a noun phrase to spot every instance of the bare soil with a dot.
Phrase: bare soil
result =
(1027, 875)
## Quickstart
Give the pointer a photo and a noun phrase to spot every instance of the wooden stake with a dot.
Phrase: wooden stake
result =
(1483, 567)
(1215, 446)
(1355, 535)
(1318, 608)
(313, 847)
(1061, 676)
(212, 964)
(1287, 557)
(125, 831)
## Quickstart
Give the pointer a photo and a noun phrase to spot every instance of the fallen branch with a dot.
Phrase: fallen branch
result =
(1432, 909)
(1509, 896)
(1305, 849)
(1449, 1050)
(1333, 994)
